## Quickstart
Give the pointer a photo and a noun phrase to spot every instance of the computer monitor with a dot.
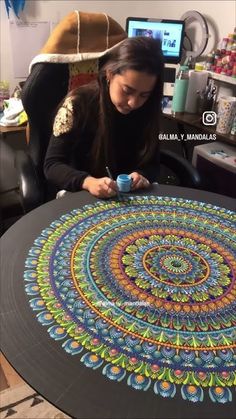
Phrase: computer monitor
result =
(170, 32)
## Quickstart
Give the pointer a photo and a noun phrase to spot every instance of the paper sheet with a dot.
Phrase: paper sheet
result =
(27, 38)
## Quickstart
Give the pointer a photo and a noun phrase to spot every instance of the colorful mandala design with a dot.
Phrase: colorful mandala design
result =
(143, 290)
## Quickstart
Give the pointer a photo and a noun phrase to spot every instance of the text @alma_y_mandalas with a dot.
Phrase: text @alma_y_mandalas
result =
(187, 137)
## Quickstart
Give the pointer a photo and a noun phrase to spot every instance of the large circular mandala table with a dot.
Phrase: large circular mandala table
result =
(125, 309)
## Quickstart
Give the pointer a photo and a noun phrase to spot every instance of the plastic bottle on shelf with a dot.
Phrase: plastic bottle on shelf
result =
(209, 62)
(217, 55)
(233, 128)
(180, 89)
(230, 42)
(223, 46)
(197, 83)
(234, 71)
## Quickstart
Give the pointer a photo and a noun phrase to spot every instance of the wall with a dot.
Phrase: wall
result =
(220, 16)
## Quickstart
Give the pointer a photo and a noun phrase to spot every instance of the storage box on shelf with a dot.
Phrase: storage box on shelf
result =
(216, 163)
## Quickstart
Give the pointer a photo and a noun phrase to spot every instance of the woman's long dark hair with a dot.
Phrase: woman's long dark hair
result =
(141, 54)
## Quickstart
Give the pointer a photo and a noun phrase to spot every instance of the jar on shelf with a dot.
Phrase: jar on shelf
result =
(224, 45)
(229, 43)
(209, 62)
(234, 71)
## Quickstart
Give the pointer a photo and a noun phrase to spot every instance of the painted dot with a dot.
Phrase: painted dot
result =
(165, 385)
(139, 379)
(74, 344)
(80, 329)
(219, 390)
(178, 372)
(59, 330)
(115, 370)
(192, 389)
(155, 367)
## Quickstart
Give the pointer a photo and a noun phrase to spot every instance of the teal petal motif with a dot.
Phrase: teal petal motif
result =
(57, 332)
(220, 394)
(139, 382)
(45, 318)
(37, 304)
(32, 289)
(192, 393)
(91, 360)
(164, 388)
(114, 372)
(72, 347)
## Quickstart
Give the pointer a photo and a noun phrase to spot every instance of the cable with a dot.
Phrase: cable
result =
(189, 40)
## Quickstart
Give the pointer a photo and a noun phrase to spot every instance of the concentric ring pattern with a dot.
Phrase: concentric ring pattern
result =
(143, 290)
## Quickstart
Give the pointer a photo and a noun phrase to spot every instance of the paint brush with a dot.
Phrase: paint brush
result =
(111, 177)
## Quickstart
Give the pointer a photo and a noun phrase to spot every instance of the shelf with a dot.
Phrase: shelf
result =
(220, 77)
(194, 121)
(12, 128)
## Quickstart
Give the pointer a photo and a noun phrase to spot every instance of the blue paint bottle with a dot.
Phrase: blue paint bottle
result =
(124, 183)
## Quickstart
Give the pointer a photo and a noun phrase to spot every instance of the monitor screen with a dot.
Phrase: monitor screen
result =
(170, 32)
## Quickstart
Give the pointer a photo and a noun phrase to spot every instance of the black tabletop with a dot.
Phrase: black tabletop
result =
(64, 381)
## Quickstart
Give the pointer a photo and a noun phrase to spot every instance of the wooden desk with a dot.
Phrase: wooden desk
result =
(186, 339)
(15, 136)
(6, 130)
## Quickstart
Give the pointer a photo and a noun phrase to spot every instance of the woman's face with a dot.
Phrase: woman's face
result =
(130, 90)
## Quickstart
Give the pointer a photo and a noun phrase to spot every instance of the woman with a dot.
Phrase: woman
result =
(111, 122)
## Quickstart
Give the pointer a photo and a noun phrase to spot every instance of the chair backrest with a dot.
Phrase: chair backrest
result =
(45, 87)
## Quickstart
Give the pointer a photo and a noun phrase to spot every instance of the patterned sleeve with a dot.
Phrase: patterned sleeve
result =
(63, 121)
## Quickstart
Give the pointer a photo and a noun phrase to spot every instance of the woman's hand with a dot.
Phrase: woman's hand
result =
(100, 187)
(139, 181)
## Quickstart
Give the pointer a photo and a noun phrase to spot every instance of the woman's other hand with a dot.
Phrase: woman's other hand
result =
(100, 187)
(139, 181)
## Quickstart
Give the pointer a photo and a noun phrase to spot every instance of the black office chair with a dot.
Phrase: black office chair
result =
(11, 207)
(45, 87)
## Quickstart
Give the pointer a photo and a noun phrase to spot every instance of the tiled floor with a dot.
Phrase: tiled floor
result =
(20, 401)
(8, 376)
